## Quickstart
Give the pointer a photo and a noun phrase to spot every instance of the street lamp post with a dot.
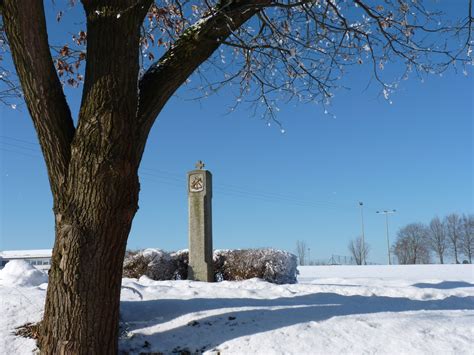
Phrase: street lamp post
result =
(386, 213)
(361, 204)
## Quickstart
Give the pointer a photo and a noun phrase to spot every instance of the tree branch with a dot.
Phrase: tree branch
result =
(193, 48)
(25, 27)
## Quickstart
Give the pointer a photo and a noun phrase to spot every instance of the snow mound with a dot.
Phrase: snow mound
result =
(20, 273)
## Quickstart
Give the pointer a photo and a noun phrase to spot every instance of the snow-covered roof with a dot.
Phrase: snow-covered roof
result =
(20, 254)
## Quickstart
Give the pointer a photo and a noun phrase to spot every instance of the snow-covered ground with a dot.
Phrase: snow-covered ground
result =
(427, 309)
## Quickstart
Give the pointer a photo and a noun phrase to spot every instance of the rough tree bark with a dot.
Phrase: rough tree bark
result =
(93, 168)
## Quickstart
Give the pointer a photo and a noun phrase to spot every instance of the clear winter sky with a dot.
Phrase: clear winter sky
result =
(272, 189)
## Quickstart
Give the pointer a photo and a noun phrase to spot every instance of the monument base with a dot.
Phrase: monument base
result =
(204, 274)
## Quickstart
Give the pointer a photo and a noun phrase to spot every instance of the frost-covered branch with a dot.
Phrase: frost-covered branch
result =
(278, 51)
(300, 50)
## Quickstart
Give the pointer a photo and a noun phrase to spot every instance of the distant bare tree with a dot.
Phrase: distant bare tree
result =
(467, 236)
(401, 250)
(453, 229)
(437, 238)
(301, 248)
(359, 250)
(411, 246)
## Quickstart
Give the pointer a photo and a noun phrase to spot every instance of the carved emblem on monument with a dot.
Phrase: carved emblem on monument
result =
(196, 183)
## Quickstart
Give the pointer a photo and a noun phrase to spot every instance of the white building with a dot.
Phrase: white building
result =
(41, 259)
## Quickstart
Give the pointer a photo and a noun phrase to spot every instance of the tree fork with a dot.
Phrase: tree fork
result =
(93, 169)
(82, 308)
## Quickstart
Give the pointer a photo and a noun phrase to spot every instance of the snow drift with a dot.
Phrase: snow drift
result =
(20, 273)
(415, 309)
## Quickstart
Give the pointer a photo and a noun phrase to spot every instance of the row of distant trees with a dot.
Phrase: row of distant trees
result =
(418, 243)
(452, 236)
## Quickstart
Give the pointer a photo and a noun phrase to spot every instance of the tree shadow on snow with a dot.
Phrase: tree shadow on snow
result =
(211, 331)
(445, 285)
(337, 285)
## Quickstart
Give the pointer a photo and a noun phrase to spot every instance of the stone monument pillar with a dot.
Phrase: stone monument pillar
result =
(200, 266)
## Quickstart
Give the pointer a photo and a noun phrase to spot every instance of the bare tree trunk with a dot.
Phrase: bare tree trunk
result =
(82, 307)
(93, 224)
(93, 169)
(436, 238)
(455, 250)
(301, 251)
(453, 225)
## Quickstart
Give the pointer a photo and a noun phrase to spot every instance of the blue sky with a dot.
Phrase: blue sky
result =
(272, 189)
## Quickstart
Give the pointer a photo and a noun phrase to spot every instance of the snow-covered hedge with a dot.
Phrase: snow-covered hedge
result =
(272, 265)
(154, 263)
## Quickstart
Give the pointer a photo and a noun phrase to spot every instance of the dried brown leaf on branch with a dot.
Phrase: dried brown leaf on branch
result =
(28, 330)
